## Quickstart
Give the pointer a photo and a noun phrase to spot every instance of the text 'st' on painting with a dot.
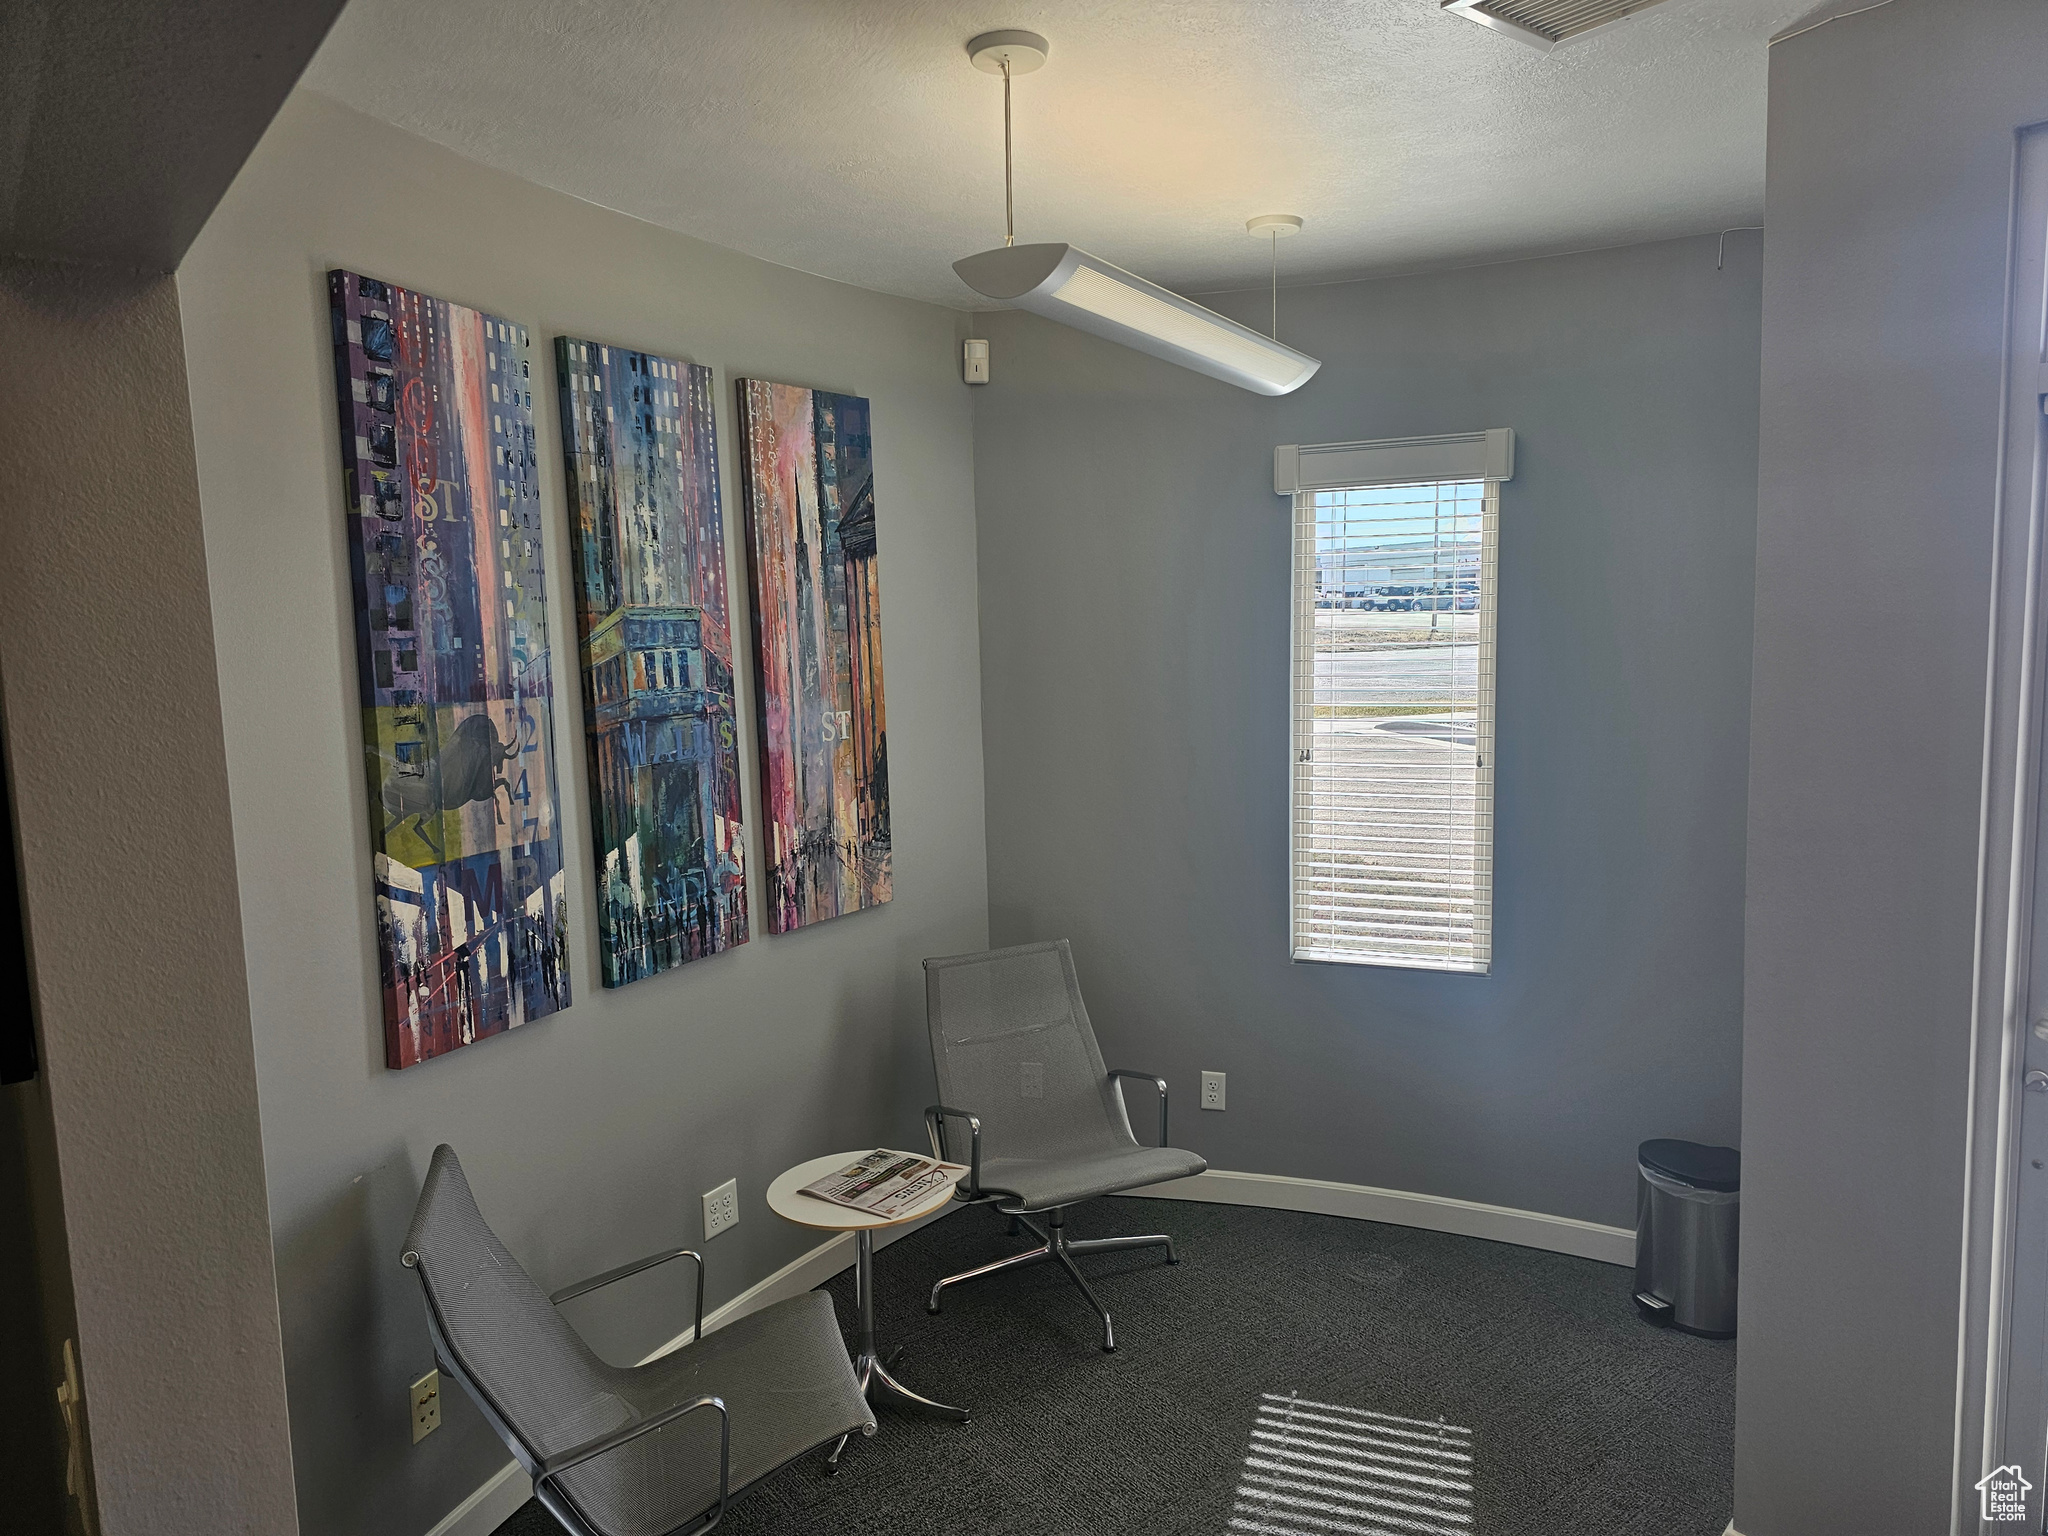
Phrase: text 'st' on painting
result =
(641, 440)
(808, 480)
(452, 644)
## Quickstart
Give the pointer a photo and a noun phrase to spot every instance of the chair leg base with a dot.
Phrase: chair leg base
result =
(1112, 1244)
(1024, 1260)
(839, 1449)
(1057, 1248)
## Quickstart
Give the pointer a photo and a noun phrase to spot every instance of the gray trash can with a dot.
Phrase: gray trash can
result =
(1688, 1205)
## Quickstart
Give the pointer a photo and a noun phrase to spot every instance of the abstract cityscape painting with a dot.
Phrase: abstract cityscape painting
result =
(444, 544)
(640, 438)
(808, 484)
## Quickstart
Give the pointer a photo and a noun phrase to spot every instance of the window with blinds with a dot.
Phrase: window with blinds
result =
(1393, 724)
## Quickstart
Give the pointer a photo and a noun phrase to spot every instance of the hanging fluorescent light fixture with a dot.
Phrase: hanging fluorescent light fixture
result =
(1065, 283)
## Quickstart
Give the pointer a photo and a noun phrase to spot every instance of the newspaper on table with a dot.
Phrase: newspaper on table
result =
(885, 1183)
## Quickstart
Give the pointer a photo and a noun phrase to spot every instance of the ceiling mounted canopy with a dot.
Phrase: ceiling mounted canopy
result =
(1008, 52)
(1067, 284)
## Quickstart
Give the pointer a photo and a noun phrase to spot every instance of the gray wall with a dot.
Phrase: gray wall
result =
(1891, 149)
(590, 1135)
(128, 878)
(1134, 592)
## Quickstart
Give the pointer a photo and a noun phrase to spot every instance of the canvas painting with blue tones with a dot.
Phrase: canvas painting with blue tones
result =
(444, 543)
(640, 438)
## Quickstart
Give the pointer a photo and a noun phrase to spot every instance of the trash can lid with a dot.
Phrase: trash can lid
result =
(1688, 1162)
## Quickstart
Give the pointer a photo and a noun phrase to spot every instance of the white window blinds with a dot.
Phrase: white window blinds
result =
(1393, 722)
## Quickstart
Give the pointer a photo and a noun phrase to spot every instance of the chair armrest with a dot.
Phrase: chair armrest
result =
(568, 1292)
(935, 1117)
(554, 1466)
(1156, 1082)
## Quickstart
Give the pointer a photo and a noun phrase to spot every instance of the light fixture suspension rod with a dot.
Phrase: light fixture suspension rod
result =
(1273, 226)
(1009, 176)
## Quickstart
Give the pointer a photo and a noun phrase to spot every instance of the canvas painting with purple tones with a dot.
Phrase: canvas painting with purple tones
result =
(641, 441)
(444, 545)
(807, 475)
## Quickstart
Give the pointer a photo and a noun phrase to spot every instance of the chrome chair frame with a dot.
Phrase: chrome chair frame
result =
(1055, 1247)
(545, 1470)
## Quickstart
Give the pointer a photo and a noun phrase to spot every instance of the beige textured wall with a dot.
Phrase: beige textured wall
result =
(128, 863)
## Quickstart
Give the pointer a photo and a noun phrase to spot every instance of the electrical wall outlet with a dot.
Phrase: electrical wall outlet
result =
(721, 1207)
(1212, 1090)
(426, 1406)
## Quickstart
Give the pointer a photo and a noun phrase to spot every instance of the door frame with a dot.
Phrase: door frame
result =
(2008, 845)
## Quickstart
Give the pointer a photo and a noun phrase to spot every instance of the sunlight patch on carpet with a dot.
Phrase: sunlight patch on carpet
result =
(1323, 1469)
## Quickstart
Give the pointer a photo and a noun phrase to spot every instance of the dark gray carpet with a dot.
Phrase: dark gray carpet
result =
(1584, 1419)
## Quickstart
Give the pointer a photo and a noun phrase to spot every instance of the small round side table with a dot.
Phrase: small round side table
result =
(787, 1200)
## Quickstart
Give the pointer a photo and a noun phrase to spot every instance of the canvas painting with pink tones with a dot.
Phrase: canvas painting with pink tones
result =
(807, 478)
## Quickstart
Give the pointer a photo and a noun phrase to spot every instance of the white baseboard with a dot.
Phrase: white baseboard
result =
(1437, 1213)
(490, 1506)
(493, 1504)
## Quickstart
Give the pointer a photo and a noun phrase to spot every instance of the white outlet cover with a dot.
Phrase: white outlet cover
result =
(721, 1208)
(1212, 1090)
(426, 1406)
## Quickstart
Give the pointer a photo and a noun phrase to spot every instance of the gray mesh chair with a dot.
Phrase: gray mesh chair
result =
(617, 1451)
(1017, 1062)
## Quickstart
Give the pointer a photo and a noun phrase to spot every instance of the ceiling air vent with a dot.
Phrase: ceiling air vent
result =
(1543, 24)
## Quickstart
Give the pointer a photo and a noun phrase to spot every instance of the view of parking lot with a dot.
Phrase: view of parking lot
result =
(1393, 797)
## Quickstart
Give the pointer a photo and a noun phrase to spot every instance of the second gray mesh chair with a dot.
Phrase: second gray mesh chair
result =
(1018, 1066)
(650, 1450)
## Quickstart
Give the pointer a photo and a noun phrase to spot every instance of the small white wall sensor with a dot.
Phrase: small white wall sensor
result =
(974, 362)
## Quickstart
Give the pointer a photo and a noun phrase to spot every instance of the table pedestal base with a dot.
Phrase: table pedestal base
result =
(876, 1384)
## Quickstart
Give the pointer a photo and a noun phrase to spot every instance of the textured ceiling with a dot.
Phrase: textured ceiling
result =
(852, 138)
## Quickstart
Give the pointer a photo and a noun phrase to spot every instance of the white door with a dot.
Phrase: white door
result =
(2002, 1418)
